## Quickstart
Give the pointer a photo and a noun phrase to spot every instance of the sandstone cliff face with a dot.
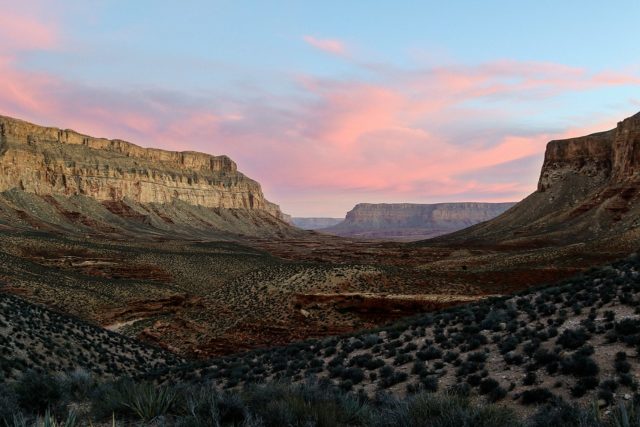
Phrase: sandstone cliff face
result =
(50, 161)
(589, 188)
(409, 221)
(67, 168)
(626, 150)
(589, 156)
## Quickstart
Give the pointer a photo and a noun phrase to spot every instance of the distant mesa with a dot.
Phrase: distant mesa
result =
(315, 223)
(410, 221)
(60, 179)
(589, 189)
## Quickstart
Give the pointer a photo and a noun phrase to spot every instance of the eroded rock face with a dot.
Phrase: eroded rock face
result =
(588, 155)
(626, 150)
(50, 161)
(614, 155)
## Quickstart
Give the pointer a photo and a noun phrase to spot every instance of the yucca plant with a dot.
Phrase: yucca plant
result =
(48, 420)
(148, 401)
(625, 416)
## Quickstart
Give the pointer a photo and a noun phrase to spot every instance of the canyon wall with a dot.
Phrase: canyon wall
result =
(48, 161)
(589, 188)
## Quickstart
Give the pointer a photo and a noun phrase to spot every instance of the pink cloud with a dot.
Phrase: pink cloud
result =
(333, 46)
(21, 31)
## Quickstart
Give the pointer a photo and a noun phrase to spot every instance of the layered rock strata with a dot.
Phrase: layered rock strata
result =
(51, 162)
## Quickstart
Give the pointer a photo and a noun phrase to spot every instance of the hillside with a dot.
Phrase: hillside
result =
(576, 340)
(408, 221)
(589, 189)
(61, 180)
(35, 338)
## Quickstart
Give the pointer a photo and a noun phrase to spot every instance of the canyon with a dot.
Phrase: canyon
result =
(215, 268)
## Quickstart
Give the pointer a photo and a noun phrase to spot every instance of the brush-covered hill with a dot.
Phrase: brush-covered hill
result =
(60, 180)
(577, 340)
(35, 338)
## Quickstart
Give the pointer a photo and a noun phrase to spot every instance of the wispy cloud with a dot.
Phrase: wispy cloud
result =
(332, 46)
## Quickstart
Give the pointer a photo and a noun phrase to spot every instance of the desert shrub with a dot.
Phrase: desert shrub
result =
(474, 380)
(429, 353)
(78, 384)
(393, 379)
(427, 409)
(37, 392)
(477, 356)
(609, 384)
(450, 356)
(355, 375)
(8, 404)
(579, 366)
(572, 338)
(583, 385)
(606, 395)
(487, 385)
(509, 344)
(497, 394)
(374, 364)
(622, 366)
(512, 358)
(628, 381)
(402, 359)
(536, 396)
(530, 378)
(560, 413)
(430, 383)
(544, 356)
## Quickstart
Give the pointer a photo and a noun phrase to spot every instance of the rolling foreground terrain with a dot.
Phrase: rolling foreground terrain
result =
(126, 262)
(409, 221)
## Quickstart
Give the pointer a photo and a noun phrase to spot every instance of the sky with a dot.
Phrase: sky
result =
(332, 103)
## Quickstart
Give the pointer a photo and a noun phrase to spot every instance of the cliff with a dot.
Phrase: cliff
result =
(408, 221)
(51, 163)
(589, 188)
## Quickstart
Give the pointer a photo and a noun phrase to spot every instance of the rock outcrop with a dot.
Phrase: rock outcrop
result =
(409, 221)
(52, 163)
(589, 188)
